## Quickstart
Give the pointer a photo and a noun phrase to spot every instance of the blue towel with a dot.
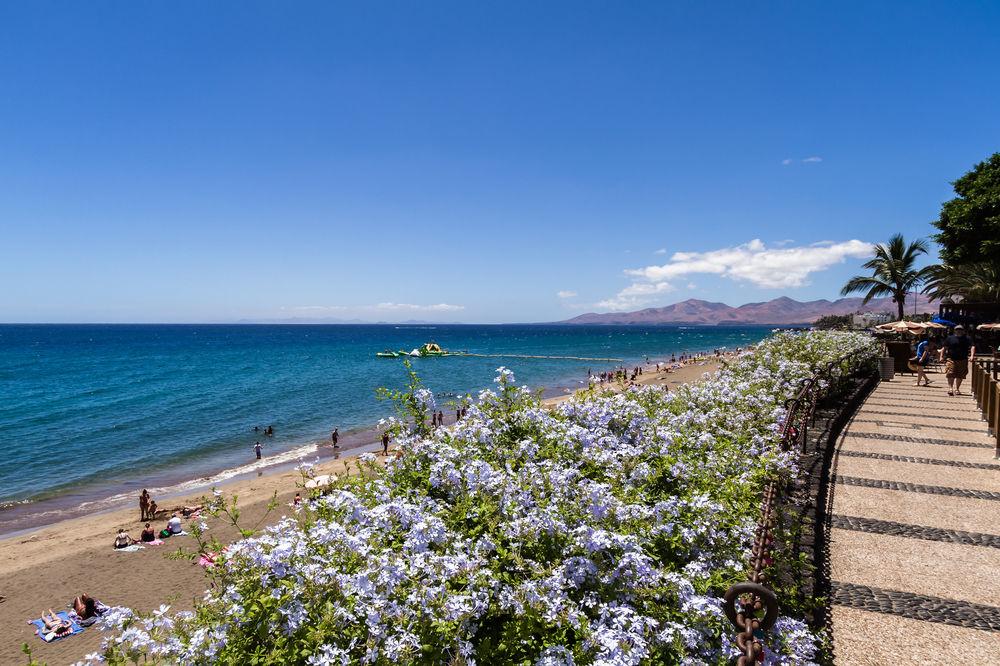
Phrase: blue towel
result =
(62, 615)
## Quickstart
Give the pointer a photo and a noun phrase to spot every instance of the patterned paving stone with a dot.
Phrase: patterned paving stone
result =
(896, 413)
(969, 454)
(918, 488)
(915, 531)
(864, 638)
(942, 511)
(916, 440)
(886, 423)
(918, 460)
(917, 606)
(960, 478)
(904, 564)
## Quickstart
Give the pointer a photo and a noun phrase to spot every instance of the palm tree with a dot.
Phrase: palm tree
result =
(979, 282)
(893, 272)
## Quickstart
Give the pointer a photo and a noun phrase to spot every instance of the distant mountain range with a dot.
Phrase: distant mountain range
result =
(780, 311)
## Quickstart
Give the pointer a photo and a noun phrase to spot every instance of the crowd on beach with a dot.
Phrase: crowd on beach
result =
(631, 375)
(84, 610)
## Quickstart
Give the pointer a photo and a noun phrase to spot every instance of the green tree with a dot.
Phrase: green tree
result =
(893, 271)
(978, 282)
(970, 223)
(834, 322)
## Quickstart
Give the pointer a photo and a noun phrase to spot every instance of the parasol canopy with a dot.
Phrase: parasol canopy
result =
(902, 326)
(988, 327)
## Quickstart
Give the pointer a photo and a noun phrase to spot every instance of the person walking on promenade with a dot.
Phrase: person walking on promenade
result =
(385, 443)
(958, 348)
(256, 449)
(335, 437)
(920, 361)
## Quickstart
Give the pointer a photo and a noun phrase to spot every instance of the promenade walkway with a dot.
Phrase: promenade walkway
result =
(915, 531)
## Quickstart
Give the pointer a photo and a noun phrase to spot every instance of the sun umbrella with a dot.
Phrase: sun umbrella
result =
(988, 327)
(938, 320)
(901, 326)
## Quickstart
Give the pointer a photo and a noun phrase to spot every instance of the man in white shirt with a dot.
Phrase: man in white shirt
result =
(174, 524)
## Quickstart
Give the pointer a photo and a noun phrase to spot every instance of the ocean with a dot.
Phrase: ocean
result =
(89, 414)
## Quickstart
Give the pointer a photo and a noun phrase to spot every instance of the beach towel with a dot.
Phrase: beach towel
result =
(48, 636)
(129, 549)
(154, 542)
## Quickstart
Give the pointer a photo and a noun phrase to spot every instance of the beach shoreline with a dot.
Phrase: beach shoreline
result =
(46, 566)
(22, 516)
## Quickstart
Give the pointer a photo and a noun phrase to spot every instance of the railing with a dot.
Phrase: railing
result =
(986, 389)
(744, 602)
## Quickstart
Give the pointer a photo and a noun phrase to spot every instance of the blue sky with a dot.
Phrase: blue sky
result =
(475, 162)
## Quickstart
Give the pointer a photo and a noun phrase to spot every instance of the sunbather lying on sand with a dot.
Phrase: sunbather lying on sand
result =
(85, 606)
(55, 626)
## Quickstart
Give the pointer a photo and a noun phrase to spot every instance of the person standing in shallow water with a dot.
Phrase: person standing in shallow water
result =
(385, 443)
(256, 449)
(335, 437)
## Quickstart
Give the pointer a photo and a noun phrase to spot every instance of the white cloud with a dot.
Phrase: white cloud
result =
(773, 268)
(635, 295)
(692, 285)
(662, 250)
(812, 159)
(565, 293)
(380, 307)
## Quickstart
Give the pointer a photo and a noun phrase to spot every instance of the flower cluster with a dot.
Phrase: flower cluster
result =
(602, 531)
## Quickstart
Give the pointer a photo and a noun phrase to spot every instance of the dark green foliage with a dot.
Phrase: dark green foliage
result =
(970, 223)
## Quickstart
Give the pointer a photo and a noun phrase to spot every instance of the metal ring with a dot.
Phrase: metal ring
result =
(766, 596)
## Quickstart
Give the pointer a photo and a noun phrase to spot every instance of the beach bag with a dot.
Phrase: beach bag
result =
(165, 533)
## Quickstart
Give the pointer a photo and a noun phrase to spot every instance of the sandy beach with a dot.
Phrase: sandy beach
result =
(45, 568)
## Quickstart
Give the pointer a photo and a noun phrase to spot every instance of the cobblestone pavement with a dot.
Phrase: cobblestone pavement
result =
(915, 531)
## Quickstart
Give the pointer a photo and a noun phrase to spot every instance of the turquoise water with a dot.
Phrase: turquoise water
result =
(89, 412)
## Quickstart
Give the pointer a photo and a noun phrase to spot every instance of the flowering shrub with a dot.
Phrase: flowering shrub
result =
(602, 531)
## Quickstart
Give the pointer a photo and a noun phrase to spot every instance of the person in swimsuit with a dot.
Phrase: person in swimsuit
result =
(335, 437)
(55, 626)
(85, 606)
(144, 504)
(385, 443)
(123, 540)
(148, 534)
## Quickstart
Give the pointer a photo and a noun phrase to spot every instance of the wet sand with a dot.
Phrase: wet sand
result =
(46, 567)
